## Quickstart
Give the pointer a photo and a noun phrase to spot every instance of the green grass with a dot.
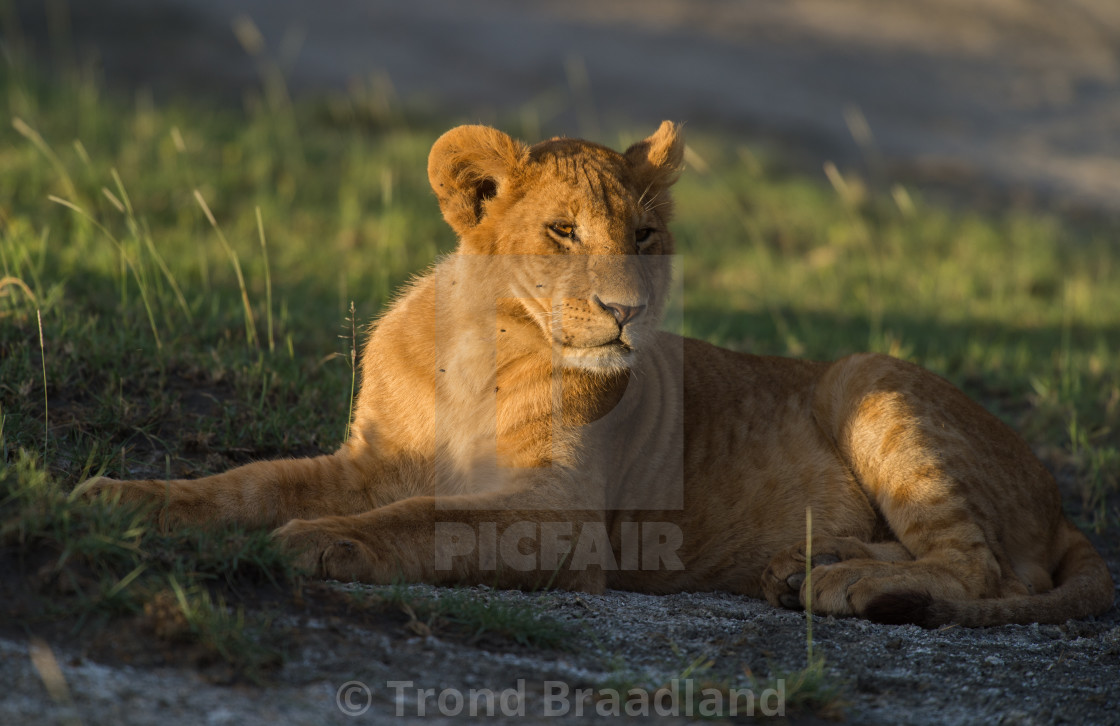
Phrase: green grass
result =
(698, 689)
(87, 563)
(179, 286)
(150, 310)
(472, 615)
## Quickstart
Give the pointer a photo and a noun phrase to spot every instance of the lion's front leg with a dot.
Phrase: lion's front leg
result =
(147, 494)
(503, 541)
(264, 494)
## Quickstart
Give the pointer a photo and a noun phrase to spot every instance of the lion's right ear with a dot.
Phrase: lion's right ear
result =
(468, 166)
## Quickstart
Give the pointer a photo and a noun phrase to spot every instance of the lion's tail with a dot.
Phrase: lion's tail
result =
(1082, 587)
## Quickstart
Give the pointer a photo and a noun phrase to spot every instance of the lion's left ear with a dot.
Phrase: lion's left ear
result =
(468, 166)
(658, 159)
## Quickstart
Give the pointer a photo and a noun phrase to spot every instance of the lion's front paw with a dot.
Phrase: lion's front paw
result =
(326, 551)
(90, 489)
(123, 492)
(163, 503)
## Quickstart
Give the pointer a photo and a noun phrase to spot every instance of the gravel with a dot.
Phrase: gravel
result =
(889, 674)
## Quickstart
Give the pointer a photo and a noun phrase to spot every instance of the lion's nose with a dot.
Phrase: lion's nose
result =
(622, 313)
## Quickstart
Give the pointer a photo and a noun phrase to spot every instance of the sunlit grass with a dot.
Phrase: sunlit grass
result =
(139, 234)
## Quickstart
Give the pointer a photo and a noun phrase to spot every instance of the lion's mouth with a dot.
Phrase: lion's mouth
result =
(614, 354)
(617, 343)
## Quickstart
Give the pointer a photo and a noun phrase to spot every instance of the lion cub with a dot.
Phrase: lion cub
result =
(522, 422)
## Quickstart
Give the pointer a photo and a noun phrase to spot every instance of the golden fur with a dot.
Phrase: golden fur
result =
(518, 401)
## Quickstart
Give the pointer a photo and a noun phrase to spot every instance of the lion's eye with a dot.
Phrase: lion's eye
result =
(563, 229)
(641, 235)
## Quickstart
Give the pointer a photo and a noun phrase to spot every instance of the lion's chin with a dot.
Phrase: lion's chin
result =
(610, 357)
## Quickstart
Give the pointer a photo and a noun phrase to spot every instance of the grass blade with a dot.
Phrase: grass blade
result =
(250, 323)
(124, 256)
(809, 583)
(267, 282)
(46, 407)
(44, 148)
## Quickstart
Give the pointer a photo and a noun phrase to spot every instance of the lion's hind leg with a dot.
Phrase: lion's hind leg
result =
(784, 581)
(878, 581)
(956, 487)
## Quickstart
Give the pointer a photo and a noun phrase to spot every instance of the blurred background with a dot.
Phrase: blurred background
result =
(1001, 101)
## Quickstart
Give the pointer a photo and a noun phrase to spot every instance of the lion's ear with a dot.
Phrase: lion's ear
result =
(657, 159)
(467, 166)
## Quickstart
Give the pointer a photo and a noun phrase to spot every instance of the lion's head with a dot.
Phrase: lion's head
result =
(574, 234)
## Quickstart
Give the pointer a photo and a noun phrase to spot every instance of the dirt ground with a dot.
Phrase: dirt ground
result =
(1000, 97)
(889, 674)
